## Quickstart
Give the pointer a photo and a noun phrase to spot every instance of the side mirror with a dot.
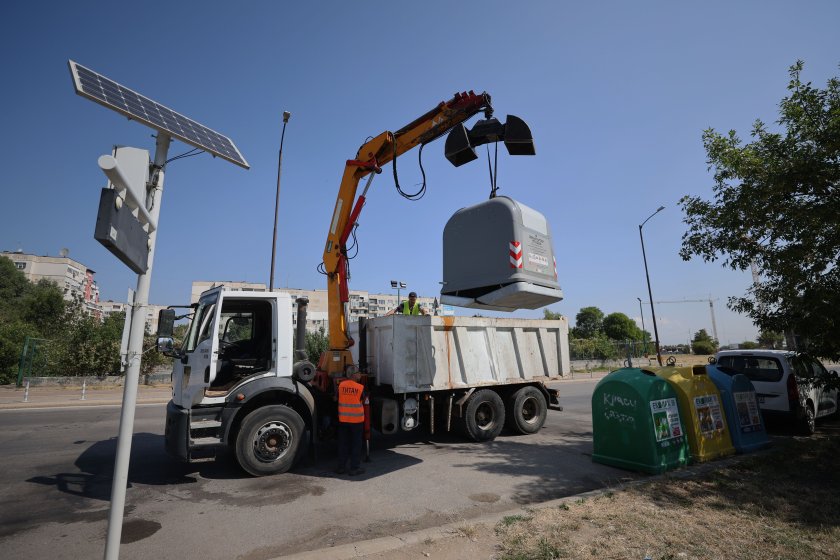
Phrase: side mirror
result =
(166, 346)
(166, 323)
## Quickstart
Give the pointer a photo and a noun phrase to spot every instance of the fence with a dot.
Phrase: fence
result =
(33, 358)
(605, 349)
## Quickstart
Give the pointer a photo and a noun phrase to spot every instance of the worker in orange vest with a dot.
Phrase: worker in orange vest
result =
(351, 422)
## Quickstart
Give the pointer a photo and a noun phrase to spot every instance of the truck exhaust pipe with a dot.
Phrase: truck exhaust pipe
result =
(303, 370)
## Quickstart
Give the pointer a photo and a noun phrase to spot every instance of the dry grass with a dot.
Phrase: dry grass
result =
(785, 504)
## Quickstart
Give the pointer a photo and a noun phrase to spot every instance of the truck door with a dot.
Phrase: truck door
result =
(201, 350)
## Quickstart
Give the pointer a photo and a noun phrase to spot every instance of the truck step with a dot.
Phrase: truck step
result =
(202, 424)
(205, 442)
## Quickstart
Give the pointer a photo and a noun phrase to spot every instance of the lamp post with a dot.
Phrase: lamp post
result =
(650, 293)
(397, 285)
(644, 333)
(286, 116)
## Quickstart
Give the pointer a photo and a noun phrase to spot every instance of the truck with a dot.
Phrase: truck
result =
(242, 380)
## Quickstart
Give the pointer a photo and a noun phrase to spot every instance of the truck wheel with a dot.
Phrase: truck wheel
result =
(484, 415)
(526, 410)
(268, 440)
(808, 422)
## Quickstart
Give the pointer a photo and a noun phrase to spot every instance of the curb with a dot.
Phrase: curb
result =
(75, 404)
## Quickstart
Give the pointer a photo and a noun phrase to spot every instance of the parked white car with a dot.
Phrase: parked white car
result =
(786, 383)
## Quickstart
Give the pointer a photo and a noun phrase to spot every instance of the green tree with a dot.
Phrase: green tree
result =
(703, 344)
(770, 339)
(776, 204)
(619, 326)
(588, 322)
(749, 345)
(44, 307)
(549, 315)
(316, 344)
(13, 286)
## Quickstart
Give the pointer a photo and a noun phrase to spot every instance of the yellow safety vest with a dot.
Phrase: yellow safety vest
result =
(414, 310)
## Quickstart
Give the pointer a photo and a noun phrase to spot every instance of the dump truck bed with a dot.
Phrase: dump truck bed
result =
(426, 353)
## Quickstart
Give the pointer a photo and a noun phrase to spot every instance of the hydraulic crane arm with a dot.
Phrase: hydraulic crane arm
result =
(369, 159)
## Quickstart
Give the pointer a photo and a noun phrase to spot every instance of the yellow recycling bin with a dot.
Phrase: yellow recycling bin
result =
(702, 411)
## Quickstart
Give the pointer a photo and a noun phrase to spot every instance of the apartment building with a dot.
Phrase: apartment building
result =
(74, 278)
(109, 307)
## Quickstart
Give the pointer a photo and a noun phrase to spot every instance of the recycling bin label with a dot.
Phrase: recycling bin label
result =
(666, 419)
(709, 415)
(749, 418)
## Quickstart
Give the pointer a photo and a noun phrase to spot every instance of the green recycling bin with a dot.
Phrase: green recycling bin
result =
(636, 423)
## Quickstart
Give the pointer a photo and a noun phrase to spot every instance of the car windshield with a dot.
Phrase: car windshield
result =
(756, 368)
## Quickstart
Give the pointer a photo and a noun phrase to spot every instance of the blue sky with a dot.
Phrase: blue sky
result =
(617, 95)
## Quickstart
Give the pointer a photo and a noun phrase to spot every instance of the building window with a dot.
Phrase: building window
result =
(20, 265)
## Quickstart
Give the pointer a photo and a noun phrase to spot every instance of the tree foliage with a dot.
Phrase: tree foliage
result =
(776, 204)
(316, 344)
(770, 339)
(550, 315)
(588, 322)
(73, 342)
(618, 326)
(703, 344)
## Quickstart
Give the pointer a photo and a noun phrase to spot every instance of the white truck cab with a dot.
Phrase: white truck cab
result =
(232, 383)
(233, 337)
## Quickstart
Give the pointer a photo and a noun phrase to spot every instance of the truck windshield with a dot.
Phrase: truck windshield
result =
(202, 320)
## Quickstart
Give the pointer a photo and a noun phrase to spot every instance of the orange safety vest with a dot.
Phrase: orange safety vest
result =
(350, 408)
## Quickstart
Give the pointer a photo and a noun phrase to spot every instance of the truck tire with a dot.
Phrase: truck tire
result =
(484, 416)
(268, 440)
(526, 410)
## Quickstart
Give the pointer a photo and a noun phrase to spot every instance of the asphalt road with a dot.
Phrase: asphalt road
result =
(58, 463)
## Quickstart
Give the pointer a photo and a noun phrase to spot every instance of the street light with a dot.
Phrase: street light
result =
(650, 293)
(286, 116)
(642, 313)
(397, 285)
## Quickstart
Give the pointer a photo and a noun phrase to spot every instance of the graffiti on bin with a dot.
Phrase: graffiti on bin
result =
(620, 417)
(613, 400)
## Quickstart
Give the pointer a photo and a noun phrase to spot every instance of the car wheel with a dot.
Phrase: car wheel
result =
(268, 440)
(808, 422)
(526, 410)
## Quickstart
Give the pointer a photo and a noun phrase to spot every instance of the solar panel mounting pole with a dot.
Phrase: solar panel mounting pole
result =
(135, 354)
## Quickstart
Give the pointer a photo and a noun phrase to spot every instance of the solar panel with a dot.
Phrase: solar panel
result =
(109, 93)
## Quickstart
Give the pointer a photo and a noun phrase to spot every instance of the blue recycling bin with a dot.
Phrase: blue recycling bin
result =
(746, 424)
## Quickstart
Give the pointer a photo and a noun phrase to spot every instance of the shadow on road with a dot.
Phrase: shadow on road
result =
(149, 464)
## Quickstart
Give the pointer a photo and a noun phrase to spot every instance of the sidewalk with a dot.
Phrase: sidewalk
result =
(12, 397)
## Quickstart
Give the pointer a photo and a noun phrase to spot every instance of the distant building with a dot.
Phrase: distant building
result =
(362, 303)
(75, 279)
(109, 307)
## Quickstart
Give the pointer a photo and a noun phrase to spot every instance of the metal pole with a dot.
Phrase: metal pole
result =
(644, 333)
(135, 354)
(650, 293)
(286, 116)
